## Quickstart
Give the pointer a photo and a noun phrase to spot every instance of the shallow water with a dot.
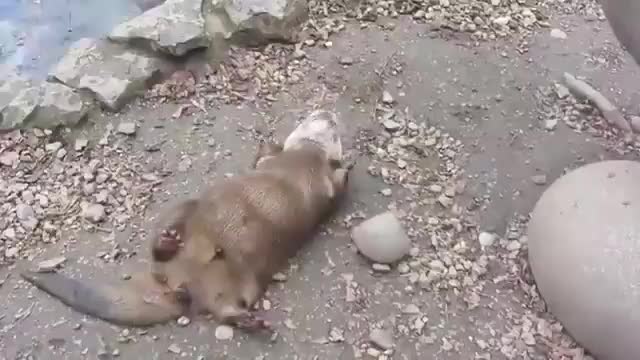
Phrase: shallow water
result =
(34, 34)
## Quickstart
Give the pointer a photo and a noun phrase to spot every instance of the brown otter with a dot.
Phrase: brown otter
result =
(217, 252)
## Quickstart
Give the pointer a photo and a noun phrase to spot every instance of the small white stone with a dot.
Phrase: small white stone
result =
(386, 192)
(486, 239)
(183, 321)
(224, 332)
(387, 98)
(502, 21)
(383, 268)
(52, 147)
(558, 34)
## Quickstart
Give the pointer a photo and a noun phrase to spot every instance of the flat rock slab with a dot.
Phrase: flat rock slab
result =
(112, 73)
(175, 27)
(45, 106)
(11, 83)
(255, 22)
(584, 250)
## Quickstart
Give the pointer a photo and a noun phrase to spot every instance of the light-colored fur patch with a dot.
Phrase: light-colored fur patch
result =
(320, 127)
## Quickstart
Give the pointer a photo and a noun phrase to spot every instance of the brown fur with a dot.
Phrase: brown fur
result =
(217, 253)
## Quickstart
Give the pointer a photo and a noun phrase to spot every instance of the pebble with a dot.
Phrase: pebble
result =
(224, 332)
(391, 125)
(502, 21)
(94, 213)
(558, 34)
(24, 212)
(411, 309)
(550, 124)
(386, 192)
(127, 128)
(9, 158)
(487, 239)
(381, 238)
(175, 349)
(346, 60)
(51, 264)
(562, 91)
(387, 98)
(381, 338)
(183, 321)
(539, 179)
(445, 201)
(403, 268)
(52, 147)
(383, 268)
(81, 144)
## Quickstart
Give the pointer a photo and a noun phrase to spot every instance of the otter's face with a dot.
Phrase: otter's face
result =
(321, 127)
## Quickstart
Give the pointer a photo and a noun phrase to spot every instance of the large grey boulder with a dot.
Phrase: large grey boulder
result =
(112, 73)
(48, 105)
(254, 22)
(175, 27)
(584, 249)
(623, 17)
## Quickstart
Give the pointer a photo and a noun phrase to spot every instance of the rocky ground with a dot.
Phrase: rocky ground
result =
(458, 120)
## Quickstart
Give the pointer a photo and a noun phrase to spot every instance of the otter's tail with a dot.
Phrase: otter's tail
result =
(140, 301)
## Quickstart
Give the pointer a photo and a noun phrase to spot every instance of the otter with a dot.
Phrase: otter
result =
(217, 252)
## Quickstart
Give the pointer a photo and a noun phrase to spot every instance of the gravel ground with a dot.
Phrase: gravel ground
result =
(458, 120)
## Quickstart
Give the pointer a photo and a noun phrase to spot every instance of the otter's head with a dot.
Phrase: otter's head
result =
(321, 128)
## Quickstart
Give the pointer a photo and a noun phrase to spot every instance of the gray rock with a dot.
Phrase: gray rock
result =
(255, 22)
(113, 73)
(93, 212)
(127, 128)
(48, 105)
(381, 238)
(51, 264)
(175, 27)
(583, 250)
(381, 338)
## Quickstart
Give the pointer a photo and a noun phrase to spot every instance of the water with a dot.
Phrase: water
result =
(34, 34)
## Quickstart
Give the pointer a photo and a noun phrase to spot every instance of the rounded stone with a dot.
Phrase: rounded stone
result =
(584, 250)
(381, 238)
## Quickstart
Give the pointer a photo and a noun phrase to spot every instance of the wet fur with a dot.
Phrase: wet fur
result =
(218, 252)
